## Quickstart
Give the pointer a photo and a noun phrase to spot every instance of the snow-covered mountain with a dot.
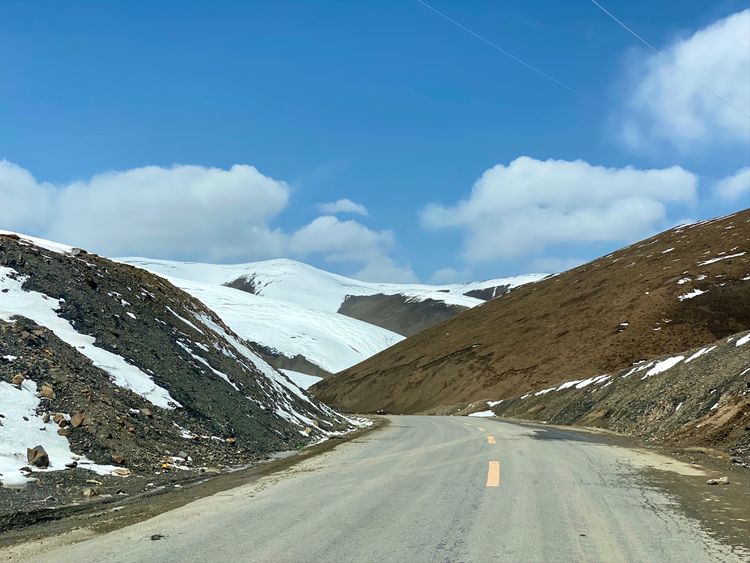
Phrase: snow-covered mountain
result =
(312, 288)
(297, 311)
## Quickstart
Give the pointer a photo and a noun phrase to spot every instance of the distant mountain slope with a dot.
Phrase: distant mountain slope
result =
(309, 287)
(316, 322)
(105, 364)
(680, 289)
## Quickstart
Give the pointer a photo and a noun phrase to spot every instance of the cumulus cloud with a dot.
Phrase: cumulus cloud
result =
(25, 203)
(179, 211)
(670, 101)
(189, 213)
(352, 242)
(445, 276)
(343, 206)
(736, 186)
(529, 204)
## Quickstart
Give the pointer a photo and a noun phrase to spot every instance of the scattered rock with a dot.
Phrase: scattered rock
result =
(72, 465)
(63, 431)
(121, 471)
(47, 392)
(45, 418)
(719, 481)
(37, 456)
(147, 412)
(58, 418)
(76, 420)
(17, 379)
(118, 459)
(231, 440)
(90, 492)
(156, 537)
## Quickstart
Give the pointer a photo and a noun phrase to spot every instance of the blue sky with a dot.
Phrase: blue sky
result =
(383, 103)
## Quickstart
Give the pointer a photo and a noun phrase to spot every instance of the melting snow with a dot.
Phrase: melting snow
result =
(744, 340)
(663, 366)
(695, 293)
(699, 353)
(483, 414)
(301, 380)
(41, 309)
(713, 260)
(17, 434)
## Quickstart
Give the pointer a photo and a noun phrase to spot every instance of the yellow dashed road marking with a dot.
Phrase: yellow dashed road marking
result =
(493, 474)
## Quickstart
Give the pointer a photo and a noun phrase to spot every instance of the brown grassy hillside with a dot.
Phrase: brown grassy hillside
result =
(594, 319)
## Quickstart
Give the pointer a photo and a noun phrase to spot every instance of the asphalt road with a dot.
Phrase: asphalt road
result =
(426, 489)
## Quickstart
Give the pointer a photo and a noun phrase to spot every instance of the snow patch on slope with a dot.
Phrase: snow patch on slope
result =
(41, 309)
(22, 428)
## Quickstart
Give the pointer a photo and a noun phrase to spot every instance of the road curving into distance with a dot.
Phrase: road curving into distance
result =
(426, 489)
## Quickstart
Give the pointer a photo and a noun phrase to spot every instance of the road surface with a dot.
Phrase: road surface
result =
(426, 489)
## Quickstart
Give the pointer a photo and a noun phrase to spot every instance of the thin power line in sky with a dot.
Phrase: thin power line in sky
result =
(678, 67)
(506, 53)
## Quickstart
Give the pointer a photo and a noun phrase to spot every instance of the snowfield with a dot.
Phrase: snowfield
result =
(294, 309)
(311, 288)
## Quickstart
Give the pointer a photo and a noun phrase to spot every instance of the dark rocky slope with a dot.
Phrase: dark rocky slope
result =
(228, 406)
(397, 312)
(683, 288)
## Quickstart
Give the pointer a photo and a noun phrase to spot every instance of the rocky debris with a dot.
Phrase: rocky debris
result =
(719, 481)
(91, 492)
(17, 380)
(110, 424)
(37, 456)
(701, 403)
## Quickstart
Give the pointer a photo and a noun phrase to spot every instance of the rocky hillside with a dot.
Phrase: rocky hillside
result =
(683, 288)
(316, 322)
(699, 397)
(111, 368)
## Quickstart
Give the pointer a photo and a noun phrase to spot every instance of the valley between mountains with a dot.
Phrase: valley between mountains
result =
(135, 378)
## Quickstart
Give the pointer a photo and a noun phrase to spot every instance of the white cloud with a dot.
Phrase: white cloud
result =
(186, 212)
(383, 269)
(343, 206)
(24, 202)
(445, 276)
(523, 207)
(179, 211)
(735, 186)
(668, 104)
(351, 242)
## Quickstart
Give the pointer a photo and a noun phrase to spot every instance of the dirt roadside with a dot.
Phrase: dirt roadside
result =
(682, 473)
(104, 515)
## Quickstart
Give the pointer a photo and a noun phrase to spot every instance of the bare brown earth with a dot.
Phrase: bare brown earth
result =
(566, 327)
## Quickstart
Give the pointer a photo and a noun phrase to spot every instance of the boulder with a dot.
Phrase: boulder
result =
(90, 492)
(17, 379)
(37, 456)
(47, 392)
(76, 420)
